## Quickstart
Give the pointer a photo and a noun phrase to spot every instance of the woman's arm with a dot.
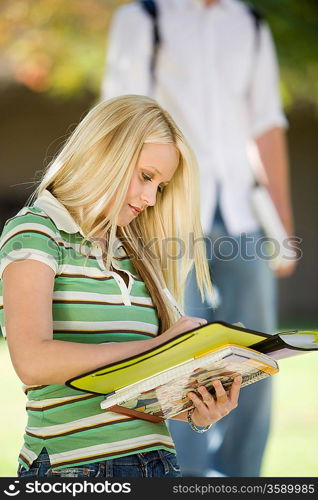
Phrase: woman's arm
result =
(39, 359)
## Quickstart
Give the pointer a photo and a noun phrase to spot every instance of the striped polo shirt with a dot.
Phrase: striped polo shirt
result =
(90, 305)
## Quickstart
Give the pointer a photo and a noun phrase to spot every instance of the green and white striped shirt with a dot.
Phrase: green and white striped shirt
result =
(90, 305)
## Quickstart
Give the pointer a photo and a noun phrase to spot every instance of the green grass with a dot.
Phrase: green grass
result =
(13, 415)
(293, 444)
(292, 447)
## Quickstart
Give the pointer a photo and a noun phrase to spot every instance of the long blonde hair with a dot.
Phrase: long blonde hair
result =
(96, 165)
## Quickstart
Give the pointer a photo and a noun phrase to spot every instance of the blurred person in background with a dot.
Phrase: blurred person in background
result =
(212, 64)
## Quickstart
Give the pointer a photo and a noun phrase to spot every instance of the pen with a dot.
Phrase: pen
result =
(173, 301)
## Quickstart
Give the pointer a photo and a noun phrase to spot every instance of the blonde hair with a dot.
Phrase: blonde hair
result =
(96, 165)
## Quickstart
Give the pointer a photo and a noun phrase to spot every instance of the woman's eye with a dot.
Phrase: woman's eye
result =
(146, 177)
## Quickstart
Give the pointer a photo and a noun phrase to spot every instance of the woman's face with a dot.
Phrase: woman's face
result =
(154, 170)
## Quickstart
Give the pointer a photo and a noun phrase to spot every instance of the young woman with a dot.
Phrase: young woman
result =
(85, 276)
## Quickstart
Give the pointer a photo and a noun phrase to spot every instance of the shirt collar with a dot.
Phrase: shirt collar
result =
(63, 219)
(57, 212)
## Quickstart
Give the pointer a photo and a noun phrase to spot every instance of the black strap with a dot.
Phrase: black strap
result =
(256, 14)
(258, 18)
(150, 7)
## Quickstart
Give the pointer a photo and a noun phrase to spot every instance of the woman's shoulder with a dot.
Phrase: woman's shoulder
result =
(28, 219)
(30, 234)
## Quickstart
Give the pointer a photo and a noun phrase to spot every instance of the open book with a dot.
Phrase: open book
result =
(222, 344)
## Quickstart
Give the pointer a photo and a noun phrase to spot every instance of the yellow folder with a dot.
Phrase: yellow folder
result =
(188, 345)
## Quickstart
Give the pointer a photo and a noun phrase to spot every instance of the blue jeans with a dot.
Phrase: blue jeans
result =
(235, 445)
(160, 463)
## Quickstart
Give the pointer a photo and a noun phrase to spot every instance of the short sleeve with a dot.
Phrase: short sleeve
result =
(29, 235)
(265, 100)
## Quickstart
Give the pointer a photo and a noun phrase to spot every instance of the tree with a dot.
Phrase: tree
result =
(294, 25)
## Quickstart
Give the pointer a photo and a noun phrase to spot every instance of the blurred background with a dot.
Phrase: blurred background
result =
(51, 63)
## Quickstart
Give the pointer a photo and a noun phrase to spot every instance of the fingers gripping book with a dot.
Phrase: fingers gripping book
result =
(154, 384)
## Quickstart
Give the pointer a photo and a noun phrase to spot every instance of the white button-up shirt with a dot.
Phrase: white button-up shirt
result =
(218, 80)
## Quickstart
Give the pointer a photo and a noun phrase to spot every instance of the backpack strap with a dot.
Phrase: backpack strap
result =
(150, 7)
(258, 19)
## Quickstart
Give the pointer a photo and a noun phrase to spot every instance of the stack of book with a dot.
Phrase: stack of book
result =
(154, 385)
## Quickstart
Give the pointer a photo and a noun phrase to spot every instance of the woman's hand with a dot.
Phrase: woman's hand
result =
(208, 410)
(184, 324)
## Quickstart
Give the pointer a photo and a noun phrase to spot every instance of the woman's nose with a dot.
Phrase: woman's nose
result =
(149, 196)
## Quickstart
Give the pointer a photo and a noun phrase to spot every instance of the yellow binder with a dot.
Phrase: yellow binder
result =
(111, 377)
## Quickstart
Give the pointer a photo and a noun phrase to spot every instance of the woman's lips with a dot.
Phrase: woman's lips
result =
(135, 210)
